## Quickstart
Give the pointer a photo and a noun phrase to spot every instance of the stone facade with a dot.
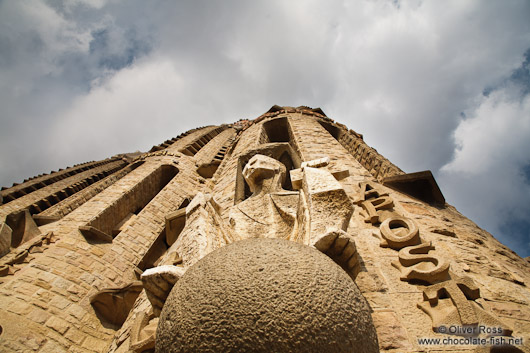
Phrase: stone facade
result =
(92, 256)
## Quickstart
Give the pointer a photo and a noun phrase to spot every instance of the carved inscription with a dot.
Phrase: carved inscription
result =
(399, 232)
(448, 301)
(415, 263)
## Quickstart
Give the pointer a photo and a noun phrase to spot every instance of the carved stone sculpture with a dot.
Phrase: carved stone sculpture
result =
(452, 303)
(415, 263)
(158, 282)
(5, 239)
(305, 194)
(114, 304)
(271, 211)
(265, 295)
(204, 230)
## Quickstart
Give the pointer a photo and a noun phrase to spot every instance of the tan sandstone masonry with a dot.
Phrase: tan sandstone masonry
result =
(45, 302)
(61, 209)
(211, 155)
(396, 305)
(421, 266)
(59, 184)
(40, 181)
(377, 165)
(396, 313)
(16, 222)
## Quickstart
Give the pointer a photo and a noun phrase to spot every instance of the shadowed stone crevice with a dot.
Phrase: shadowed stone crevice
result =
(420, 185)
(112, 305)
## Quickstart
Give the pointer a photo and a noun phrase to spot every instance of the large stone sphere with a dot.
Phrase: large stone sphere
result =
(266, 295)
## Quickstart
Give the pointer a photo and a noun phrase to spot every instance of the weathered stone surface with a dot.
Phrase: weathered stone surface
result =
(173, 206)
(158, 282)
(5, 238)
(114, 304)
(391, 334)
(143, 332)
(415, 263)
(263, 295)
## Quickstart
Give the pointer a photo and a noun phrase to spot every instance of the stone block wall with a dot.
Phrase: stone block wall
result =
(414, 257)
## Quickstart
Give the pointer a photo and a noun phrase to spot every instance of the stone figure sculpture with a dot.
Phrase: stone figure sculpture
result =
(271, 211)
(317, 214)
(235, 232)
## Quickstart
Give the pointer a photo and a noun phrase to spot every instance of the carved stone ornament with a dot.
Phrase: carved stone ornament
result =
(399, 232)
(415, 263)
(143, 332)
(113, 304)
(452, 303)
(158, 282)
(266, 295)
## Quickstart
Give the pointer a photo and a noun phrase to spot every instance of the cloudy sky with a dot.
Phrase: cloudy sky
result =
(439, 85)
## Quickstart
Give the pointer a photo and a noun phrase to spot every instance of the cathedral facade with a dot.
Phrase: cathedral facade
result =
(286, 233)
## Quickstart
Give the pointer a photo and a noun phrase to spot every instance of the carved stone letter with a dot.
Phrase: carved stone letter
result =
(416, 263)
(399, 232)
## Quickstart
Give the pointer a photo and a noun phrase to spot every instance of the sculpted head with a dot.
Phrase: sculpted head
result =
(260, 168)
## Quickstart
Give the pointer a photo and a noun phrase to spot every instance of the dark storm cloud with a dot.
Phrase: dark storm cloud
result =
(428, 83)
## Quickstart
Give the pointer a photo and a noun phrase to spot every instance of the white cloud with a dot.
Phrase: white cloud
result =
(118, 112)
(499, 127)
(486, 178)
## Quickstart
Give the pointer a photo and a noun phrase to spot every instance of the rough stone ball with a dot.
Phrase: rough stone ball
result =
(266, 295)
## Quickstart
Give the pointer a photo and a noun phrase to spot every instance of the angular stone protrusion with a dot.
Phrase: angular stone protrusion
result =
(5, 238)
(43, 220)
(420, 185)
(114, 304)
(158, 282)
(175, 223)
(415, 263)
(328, 204)
(23, 227)
(207, 170)
(398, 232)
(341, 249)
(94, 234)
(297, 175)
(5, 270)
(143, 332)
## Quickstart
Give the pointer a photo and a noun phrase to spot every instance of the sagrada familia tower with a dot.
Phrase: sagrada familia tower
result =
(286, 233)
